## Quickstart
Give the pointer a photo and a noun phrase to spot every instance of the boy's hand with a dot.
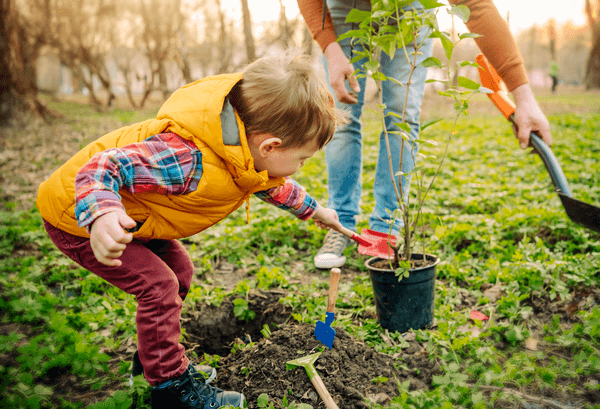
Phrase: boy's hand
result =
(327, 218)
(108, 237)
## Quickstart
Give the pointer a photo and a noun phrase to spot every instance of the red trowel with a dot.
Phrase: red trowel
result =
(323, 330)
(578, 211)
(379, 244)
(354, 236)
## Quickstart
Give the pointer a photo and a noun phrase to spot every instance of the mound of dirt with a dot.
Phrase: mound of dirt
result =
(352, 371)
(215, 328)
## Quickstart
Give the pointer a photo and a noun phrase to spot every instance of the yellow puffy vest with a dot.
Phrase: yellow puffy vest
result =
(228, 178)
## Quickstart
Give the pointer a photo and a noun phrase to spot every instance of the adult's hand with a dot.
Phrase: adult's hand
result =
(529, 117)
(108, 237)
(340, 70)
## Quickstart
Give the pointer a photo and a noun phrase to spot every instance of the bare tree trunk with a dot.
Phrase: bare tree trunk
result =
(18, 90)
(224, 48)
(284, 27)
(181, 55)
(592, 75)
(250, 49)
(307, 40)
(551, 32)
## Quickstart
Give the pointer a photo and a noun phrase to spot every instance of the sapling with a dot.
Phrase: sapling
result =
(385, 29)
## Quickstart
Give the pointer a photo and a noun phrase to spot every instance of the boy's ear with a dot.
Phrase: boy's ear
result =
(268, 145)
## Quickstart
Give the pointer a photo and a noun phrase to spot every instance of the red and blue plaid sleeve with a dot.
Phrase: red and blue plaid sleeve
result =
(164, 163)
(291, 197)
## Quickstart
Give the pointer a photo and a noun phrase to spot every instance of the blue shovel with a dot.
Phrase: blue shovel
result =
(323, 330)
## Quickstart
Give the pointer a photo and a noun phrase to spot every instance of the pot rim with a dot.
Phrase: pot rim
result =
(414, 270)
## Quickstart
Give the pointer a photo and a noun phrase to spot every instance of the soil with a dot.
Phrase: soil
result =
(348, 370)
(416, 262)
(255, 365)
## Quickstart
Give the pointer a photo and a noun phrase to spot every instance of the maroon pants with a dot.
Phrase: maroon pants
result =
(159, 274)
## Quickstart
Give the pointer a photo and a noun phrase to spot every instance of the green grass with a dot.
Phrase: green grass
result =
(505, 226)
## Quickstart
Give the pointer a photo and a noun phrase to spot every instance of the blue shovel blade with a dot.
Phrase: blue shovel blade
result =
(323, 331)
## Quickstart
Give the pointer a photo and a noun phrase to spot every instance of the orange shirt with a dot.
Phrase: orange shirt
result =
(497, 43)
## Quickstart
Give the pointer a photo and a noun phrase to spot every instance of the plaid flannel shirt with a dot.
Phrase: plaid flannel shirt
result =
(165, 164)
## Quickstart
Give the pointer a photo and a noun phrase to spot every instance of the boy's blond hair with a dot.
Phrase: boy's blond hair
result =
(282, 95)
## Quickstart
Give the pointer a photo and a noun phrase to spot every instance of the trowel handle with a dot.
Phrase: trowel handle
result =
(333, 287)
(354, 236)
(323, 392)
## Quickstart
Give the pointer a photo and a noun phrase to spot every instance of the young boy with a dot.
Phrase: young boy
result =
(118, 206)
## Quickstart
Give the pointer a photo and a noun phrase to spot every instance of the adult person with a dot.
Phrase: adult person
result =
(343, 154)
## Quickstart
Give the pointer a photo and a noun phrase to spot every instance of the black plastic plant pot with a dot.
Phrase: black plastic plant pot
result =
(406, 304)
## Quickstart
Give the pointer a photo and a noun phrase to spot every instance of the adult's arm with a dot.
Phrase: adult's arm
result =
(338, 65)
(499, 47)
(312, 11)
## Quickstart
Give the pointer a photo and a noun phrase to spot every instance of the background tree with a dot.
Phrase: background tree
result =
(592, 75)
(18, 89)
(551, 27)
(81, 32)
(246, 17)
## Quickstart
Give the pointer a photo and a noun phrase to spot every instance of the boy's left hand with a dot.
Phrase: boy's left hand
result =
(327, 218)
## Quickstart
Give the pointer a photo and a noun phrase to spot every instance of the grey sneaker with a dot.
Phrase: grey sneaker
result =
(332, 253)
(208, 372)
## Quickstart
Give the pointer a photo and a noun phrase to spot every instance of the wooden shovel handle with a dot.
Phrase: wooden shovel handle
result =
(333, 287)
(352, 235)
(323, 392)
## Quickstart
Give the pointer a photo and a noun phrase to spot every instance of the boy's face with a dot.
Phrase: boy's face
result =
(277, 161)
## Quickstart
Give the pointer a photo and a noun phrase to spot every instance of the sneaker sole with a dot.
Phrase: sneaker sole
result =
(329, 260)
(212, 377)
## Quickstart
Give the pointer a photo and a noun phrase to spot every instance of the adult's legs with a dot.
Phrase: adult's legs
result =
(395, 98)
(344, 152)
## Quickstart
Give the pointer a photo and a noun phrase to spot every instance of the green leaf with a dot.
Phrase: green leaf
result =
(461, 12)
(378, 14)
(390, 48)
(404, 126)
(371, 66)
(357, 16)
(427, 124)
(467, 83)
(446, 43)
(431, 4)
(359, 33)
(469, 35)
(263, 400)
(394, 80)
(432, 62)
(42, 390)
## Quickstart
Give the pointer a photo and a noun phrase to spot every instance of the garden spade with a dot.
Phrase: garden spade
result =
(323, 330)
(583, 213)
(307, 362)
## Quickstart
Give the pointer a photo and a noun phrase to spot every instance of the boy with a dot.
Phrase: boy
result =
(118, 206)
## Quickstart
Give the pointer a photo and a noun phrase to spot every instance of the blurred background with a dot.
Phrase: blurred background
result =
(133, 53)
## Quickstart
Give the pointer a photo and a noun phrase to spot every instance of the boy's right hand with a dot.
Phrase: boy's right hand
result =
(108, 237)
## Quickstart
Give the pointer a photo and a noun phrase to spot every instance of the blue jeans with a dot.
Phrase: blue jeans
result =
(344, 152)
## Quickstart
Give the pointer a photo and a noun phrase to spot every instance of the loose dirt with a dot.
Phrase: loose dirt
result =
(352, 372)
